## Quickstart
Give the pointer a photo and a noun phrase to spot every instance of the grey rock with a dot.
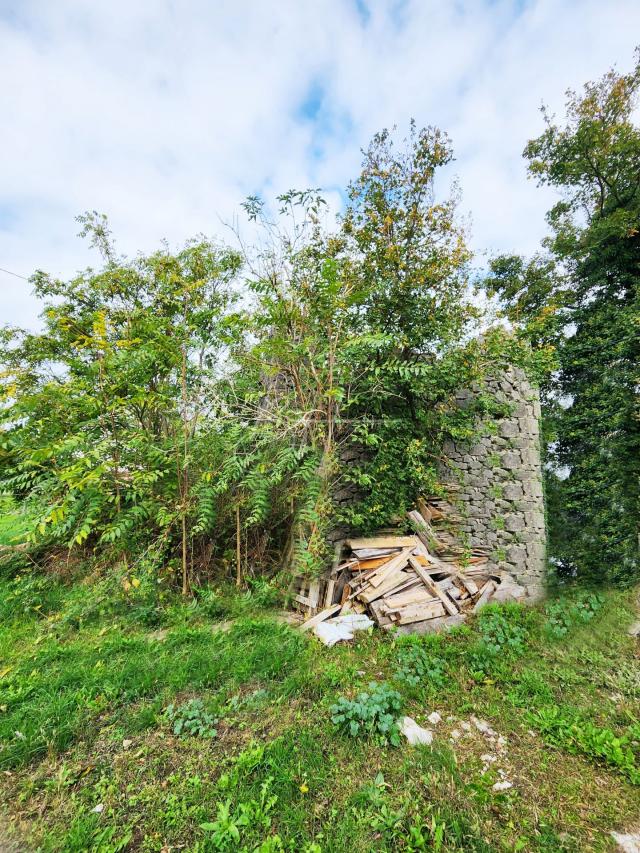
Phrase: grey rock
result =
(514, 523)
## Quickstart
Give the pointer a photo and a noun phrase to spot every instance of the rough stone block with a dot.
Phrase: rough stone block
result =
(536, 550)
(510, 459)
(534, 519)
(517, 554)
(514, 523)
(512, 491)
(531, 457)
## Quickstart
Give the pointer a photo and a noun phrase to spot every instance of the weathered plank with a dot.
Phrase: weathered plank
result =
(373, 553)
(468, 583)
(381, 542)
(433, 587)
(416, 612)
(487, 590)
(414, 595)
(378, 576)
(399, 582)
(371, 563)
(429, 626)
(320, 617)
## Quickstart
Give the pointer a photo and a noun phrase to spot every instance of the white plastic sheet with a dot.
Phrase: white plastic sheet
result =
(341, 628)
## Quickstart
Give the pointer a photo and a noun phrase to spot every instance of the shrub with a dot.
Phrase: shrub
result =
(192, 718)
(503, 635)
(372, 714)
(224, 833)
(562, 727)
(417, 665)
(502, 629)
(563, 615)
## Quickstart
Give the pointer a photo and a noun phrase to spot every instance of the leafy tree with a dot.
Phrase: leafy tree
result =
(170, 409)
(582, 300)
(412, 322)
(109, 411)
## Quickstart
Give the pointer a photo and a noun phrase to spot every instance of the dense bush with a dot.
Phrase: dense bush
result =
(373, 713)
(183, 413)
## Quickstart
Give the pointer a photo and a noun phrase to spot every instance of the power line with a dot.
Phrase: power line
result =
(17, 275)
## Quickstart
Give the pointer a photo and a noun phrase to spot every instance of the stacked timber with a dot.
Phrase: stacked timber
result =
(399, 582)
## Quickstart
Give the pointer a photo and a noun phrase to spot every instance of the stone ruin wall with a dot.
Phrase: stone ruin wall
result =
(496, 485)
(496, 495)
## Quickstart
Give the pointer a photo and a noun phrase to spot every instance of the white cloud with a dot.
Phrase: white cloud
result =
(164, 115)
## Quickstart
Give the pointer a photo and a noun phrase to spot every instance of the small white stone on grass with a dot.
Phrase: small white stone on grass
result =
(414, 733)
(488, 758)
(434, 718)
(455, 734)
(466, 726)
(483, 727)
(627, 842)
(503, 786)
(126, 743)
(98, 809)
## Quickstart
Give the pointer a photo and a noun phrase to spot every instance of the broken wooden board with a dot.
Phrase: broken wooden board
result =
(320, 617)
(371, 563)
(433, 587)
(378, 577)
(468, 583)
(373, 553)
(382, 542)
(398, 581)
(488, 589)
(418, 594)
(415, 612)
(429, 626)
(376, 609)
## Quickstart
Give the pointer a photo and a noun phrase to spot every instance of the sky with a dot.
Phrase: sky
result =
(166, 114)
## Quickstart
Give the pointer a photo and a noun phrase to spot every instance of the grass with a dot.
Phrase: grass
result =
(13, 522)
(90, 758)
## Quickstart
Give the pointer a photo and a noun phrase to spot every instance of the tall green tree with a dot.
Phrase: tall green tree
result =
(109, 413)
(582, 300)
(412, 321)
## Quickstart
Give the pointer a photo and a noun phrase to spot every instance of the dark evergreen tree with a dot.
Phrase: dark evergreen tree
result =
(583, 301)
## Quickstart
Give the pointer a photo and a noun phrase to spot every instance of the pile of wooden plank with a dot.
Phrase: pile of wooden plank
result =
(399, 583)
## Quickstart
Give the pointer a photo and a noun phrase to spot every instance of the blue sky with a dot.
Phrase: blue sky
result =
(165, 114)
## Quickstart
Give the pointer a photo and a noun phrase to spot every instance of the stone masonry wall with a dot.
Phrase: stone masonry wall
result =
(496, 498)
(497, 485)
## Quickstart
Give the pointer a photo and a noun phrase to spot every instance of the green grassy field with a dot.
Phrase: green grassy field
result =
(89, 759)
(13, 522)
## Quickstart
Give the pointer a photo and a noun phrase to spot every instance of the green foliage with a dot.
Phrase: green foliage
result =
(564, 728)
(531, 689)
(102, 410)
(564, 614)
(54, 698)
(153, 416)
(578, 305)
(225, 833)
(372, 713)
(97, 680)
(192, 718)
(418, 666)
(503, 636)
